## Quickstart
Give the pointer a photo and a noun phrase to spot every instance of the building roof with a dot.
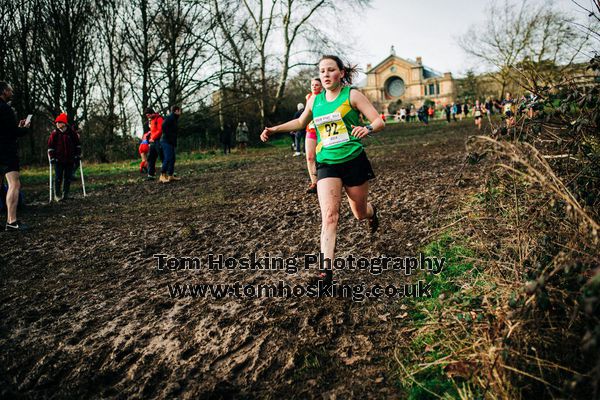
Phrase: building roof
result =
(431, 73)
(427, 71)
(390, 57)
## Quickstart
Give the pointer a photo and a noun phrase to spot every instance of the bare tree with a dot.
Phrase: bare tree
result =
(184, 29)
(143, 48)
(66, 46)
(269, 31)
(20, 58)
(533, 32)
(111, 64)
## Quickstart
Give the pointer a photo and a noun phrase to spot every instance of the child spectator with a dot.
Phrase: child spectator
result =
(64, 150)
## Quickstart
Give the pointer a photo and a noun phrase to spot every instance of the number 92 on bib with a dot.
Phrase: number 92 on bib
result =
(332, 129)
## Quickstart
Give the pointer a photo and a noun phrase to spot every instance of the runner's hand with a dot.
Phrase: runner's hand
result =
(359, 132)
(264, 136)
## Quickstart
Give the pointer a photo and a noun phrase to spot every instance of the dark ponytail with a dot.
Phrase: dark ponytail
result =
(350, 70)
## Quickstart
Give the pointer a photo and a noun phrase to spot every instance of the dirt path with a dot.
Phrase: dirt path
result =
(84, 312)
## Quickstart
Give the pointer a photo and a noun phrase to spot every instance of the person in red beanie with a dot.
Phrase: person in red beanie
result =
(64, 149)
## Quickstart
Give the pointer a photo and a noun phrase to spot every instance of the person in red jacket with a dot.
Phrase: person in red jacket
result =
(155, 121)
(64, 149)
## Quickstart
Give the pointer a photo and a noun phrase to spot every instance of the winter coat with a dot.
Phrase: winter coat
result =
(156, 128)
(169, 129)
(64, 146)
(9, 131)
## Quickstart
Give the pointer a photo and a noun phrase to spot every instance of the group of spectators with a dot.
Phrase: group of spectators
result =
(160, 141)
(228, 138)
(456, 111)
(64, 154)
(412, 114)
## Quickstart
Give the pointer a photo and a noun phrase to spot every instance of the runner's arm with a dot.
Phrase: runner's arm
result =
(293, 125)
(363, 105)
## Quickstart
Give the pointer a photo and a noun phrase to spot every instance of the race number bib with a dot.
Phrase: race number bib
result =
(332, 129)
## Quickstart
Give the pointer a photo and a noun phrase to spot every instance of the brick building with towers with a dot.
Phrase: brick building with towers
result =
(397, 78)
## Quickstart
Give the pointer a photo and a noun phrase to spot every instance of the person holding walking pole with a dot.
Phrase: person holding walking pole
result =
(64, 150)
(10, 131)
(50, 185)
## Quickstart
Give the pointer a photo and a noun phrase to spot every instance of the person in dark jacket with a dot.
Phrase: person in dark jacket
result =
(64, 150)
(448, 112)
(299, 134)
(225, 139)
(10, 131)
(168, 143)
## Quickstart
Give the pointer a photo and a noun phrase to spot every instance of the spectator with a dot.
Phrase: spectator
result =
(155, 122)
(225, 139)
(459, 111)
(168, 143)
(489, 106)
(448, 112)
(403, 114)
(299, 134)
(10, 131)
(143, 150)
(431, 112)
(241, 136)
(64, 150)
(422, 114)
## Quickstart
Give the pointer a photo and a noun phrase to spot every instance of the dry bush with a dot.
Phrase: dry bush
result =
(521, 319)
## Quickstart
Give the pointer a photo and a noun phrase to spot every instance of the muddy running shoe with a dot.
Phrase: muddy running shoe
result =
(150, 177)
(374, 221)
(16, 226)
(172, 178)
(312, 188)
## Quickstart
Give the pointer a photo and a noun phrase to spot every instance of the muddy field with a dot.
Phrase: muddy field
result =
(85, 313)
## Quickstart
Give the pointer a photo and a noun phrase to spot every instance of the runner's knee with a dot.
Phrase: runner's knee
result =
(331, 217)
(14, 185)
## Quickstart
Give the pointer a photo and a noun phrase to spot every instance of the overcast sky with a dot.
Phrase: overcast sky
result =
(425, 28)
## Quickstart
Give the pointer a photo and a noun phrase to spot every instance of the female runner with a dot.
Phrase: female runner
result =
(341, 159)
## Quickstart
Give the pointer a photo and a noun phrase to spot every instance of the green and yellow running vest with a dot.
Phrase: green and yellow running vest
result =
(333, 121)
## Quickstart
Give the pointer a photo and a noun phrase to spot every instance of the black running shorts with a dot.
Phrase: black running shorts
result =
(9, 164)
(352, 173)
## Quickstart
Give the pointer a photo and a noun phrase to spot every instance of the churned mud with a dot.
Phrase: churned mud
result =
(85, 312)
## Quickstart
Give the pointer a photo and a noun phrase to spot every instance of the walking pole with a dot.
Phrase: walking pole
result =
(50, 179)
(82, 180)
